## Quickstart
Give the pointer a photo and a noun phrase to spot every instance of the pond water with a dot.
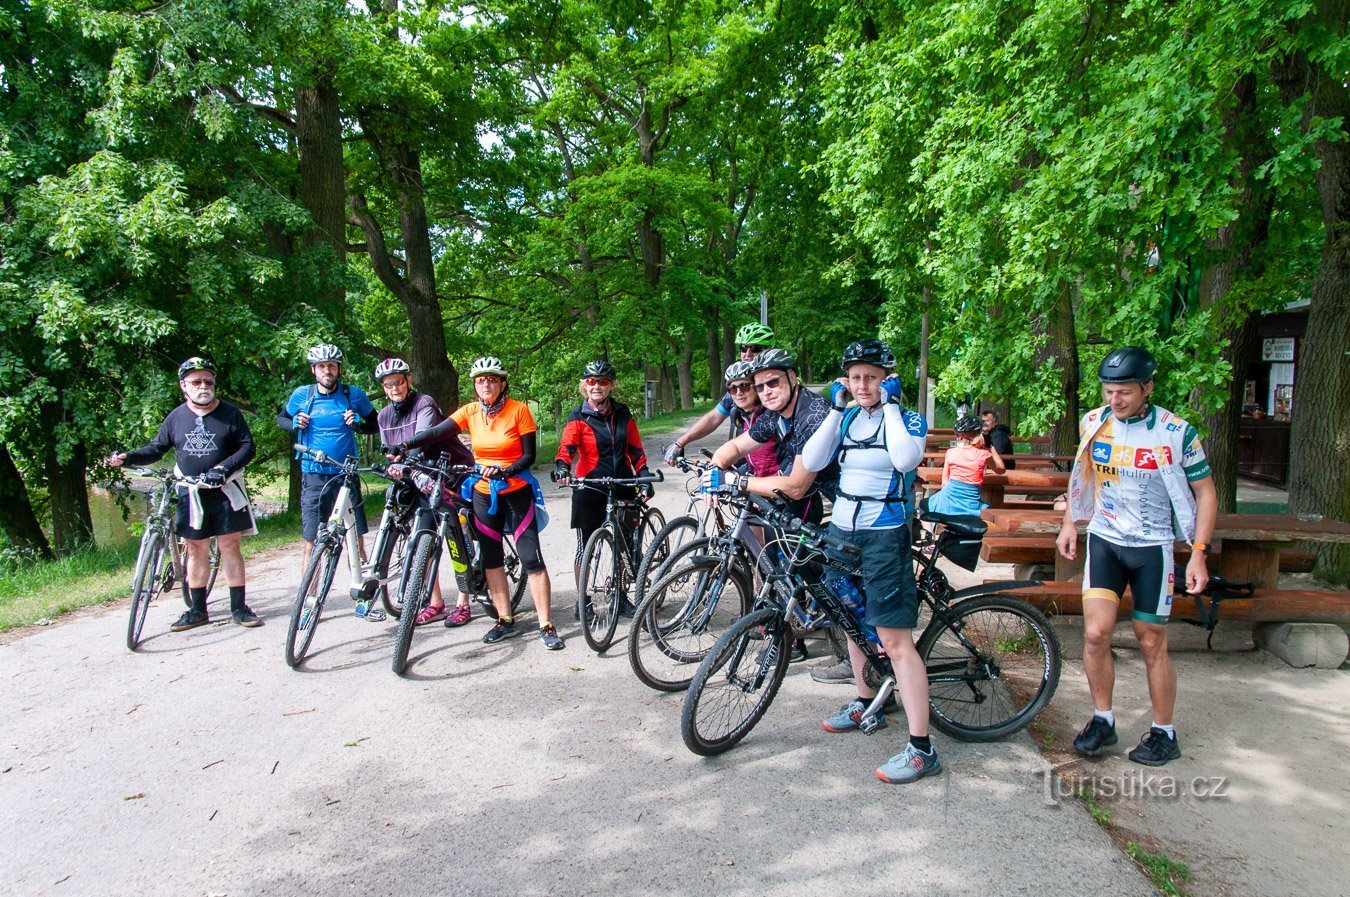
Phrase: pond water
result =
(110, 529)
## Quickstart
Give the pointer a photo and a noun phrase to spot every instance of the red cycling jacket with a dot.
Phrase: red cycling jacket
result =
(602, 445)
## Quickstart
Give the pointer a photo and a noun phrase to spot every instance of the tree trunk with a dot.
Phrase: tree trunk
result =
(1319, 444)
(72, 527)
(1062, 349)
(666, 388)
(730, 351)
(715, 367)
(1233, 254)
(323, 183)
(684, 368)
(293, 481)
(21, 524)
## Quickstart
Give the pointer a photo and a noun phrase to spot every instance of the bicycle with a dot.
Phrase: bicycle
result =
(447, 524)
(369, 578)
(993, 660)
(157, 569)
(612, 556)
(708, 584)
(678, 531)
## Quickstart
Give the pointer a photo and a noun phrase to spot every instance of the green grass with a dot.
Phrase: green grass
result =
(1165, 872)
(1099, 812)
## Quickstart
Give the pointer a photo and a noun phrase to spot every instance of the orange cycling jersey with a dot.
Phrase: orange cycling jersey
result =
(496, 441)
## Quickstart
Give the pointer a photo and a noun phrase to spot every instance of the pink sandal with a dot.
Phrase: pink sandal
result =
(458, 616)
(431, 614)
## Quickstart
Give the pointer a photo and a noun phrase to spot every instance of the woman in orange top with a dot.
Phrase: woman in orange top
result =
(963, 471)
(502, 434)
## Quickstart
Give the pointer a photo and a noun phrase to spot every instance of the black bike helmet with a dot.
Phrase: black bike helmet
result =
(600, 368)
(196, 363)
(774, 360)
(869, 351)
(1128, 364)
(968, 424)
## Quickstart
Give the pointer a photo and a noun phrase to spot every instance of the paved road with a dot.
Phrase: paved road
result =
(202, 765)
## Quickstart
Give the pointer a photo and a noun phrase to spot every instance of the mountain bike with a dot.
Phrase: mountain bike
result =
(372, 578)
(612, 555)
(678, 531)
(161, 560)
(993, 660)
(447, 521)
(708, 583)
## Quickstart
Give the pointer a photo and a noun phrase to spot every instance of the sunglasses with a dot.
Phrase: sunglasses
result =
(487, 378)
(200, 383)
(599, 381)
(754, 348)
(739, 388)
(769, 384)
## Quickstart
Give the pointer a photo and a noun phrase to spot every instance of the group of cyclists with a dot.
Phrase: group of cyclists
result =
(856, 447)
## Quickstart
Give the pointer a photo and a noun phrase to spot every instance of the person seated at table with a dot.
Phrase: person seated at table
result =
(997, 436)
(963, 472)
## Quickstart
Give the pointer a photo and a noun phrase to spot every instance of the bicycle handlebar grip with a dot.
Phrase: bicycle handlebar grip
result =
(301, 447)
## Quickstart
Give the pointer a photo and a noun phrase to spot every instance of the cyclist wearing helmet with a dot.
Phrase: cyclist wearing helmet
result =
(877, 444)
(326, 415)
(1137, 467)
(211, 440)
(752, 339)
(963, 471)
(763, 461)
(503, 434)
(793, 413)
(600, 439)
(409, 413)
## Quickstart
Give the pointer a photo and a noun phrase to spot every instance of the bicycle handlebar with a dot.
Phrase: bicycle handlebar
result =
(578, 482)
(165, 474)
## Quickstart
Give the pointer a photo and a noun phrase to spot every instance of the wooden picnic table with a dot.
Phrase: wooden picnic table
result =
(1251, 542)
(1058, 462)
(944, 437)
(1016, 482)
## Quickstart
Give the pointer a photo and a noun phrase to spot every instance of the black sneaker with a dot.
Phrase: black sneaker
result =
(1097, 734)
(190, 620)
(1155, 748)
(549, 636)
(501, 630)
(798, 652)
(627, 608)
(245, 617)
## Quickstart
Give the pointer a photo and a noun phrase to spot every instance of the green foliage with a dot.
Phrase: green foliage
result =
(1166, 873)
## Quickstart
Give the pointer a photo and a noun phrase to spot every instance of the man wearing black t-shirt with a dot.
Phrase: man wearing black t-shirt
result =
(211, 441)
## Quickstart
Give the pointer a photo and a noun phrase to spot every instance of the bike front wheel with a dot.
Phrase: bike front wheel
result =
(389, 554)
(993, 664)
(684, 614)
(309, 598)
(603, 575)
(736, 683)
(416, 593)
(179, 565)
(516, 577)
(144, 582)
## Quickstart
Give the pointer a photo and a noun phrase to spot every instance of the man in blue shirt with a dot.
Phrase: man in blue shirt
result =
(326, 415)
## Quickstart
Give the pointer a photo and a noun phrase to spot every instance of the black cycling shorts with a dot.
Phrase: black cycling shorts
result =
(515, 516)
(1147, 571)
(218, 518)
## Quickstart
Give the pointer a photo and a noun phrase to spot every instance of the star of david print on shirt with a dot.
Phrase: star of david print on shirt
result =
(200, 442)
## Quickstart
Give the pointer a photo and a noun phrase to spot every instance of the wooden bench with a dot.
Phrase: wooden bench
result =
(1264, 606)
(1038, 549)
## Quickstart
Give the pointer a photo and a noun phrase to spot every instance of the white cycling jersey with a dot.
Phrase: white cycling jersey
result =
(880, 448)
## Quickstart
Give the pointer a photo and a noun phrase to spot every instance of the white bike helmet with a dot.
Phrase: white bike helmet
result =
(488, 364)
(323, 352)
(391, 366)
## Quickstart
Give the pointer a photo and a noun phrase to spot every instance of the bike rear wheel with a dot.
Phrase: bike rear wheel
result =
(516, 577)
(416, 593)
(658, 549)
(993, 664)
(684, 614)
(144, 582)
(736, 683)
(603, 575)
(309, 598)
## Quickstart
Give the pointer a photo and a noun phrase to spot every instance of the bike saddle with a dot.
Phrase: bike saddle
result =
(962, 526)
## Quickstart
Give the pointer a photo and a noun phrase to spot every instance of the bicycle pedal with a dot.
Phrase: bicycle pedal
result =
(870, 724)
(375, 616)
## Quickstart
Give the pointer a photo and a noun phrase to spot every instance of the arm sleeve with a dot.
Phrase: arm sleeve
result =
(444, 429)
(244, 452)
(820, 448)
(286, 421)
(905, 451)
(155, 448)
(529, 447)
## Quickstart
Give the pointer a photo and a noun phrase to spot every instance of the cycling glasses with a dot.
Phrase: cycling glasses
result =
(769, 384)
(739, 388)
(753, 348)
(599, 381)
(200, 383)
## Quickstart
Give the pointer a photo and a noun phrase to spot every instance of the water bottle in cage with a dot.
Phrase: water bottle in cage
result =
(853, 599)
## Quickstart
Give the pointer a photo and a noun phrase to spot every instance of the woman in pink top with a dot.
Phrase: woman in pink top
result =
(963, 472)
